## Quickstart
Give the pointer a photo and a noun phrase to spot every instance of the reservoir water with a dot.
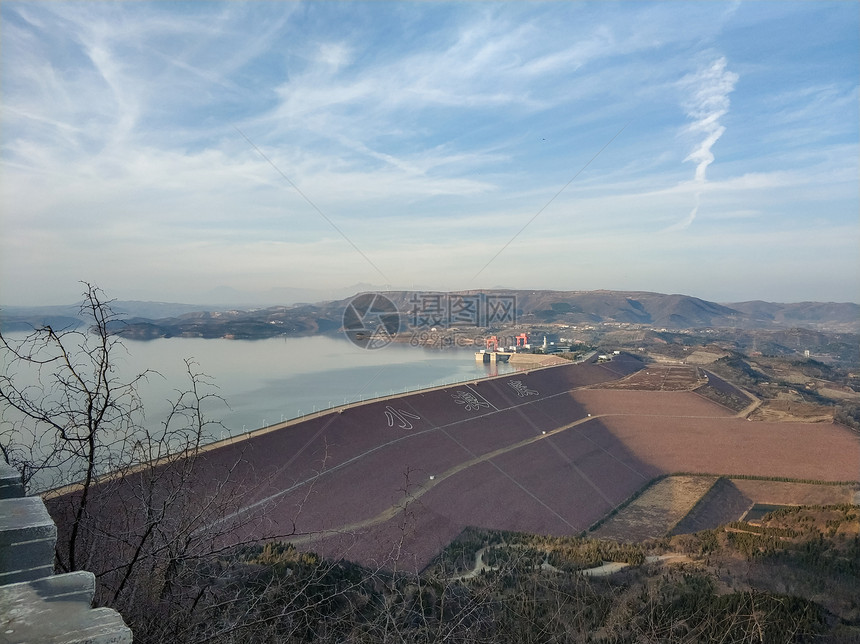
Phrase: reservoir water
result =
(267, 381)
(261, 382)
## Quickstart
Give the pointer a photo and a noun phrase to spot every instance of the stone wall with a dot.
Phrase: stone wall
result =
(35, 604)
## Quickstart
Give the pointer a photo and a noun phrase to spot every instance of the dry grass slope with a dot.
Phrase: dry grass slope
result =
(654, 513)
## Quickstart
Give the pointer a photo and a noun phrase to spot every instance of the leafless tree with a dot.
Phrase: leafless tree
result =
(69, 414)
(127, 496)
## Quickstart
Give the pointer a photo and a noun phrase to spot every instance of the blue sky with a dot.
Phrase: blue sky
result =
(156, 148)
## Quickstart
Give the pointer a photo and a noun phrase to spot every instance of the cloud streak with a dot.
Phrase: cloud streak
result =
(708, 101)
(428, 134)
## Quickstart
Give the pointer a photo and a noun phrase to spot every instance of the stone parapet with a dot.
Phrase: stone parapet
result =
(10, 482)
(27, 540)
(35, 604)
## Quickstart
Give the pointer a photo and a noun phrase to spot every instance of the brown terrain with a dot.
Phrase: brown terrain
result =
(792, 410)
(658, 377)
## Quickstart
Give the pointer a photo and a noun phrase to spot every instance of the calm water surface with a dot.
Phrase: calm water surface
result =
(267, 381)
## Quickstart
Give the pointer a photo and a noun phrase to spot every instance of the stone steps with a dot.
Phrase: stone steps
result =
(57, 610)
(10, 482)
(35, 604)
(27, 540)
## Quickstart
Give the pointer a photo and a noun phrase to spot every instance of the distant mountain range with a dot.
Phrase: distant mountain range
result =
(159, 319)
(67, 316)
(686, 312)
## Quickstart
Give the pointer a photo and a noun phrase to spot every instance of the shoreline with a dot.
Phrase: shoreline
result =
(338, 409)
(525, 369)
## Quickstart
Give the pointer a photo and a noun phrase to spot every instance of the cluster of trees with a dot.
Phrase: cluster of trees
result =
(815, 538)
(279, 595)
(568, 554)
(848, 415)
(504, 547)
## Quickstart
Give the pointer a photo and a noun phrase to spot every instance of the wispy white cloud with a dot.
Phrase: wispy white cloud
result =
(708, 101)
(432, 132)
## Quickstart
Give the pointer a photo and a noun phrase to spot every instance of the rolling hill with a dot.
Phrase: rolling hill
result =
(655, 310)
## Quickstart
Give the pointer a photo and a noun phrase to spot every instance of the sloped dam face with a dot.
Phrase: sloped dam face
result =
(392, 481)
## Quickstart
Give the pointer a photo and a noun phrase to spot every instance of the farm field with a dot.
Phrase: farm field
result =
(391, 482)
(661, 377)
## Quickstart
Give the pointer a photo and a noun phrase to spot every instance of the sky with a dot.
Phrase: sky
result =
(164, 150)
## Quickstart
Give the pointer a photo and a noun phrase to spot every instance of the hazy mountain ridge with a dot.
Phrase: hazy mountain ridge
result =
(656, 310)
(651, 309)
(672, 311)
(800, 313)
(68, 316)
